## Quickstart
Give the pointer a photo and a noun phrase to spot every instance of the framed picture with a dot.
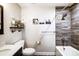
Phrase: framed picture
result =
(35, 21)
(1, 20)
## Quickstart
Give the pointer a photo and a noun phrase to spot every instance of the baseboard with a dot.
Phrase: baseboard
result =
(45, 53)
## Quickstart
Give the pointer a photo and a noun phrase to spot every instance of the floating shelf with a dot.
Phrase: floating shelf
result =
(16, 27)
(13, 29)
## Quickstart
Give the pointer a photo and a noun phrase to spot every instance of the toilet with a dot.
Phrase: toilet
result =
(28, 51)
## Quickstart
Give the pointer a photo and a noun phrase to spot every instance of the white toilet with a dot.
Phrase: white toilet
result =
(28, 51)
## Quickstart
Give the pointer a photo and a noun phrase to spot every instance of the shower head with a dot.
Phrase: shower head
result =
(64, 15)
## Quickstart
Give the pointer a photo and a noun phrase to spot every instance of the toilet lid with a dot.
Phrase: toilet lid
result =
(28, 50)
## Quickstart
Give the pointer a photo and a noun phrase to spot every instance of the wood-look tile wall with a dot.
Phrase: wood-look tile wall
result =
(75, 26)
(70, 29)
(63, 28)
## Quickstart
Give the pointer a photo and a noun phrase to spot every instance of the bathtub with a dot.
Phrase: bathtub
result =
(67, 51)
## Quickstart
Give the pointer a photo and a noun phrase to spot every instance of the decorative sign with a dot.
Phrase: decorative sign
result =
(36, 21)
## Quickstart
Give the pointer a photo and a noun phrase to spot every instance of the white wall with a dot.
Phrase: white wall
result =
(32, 32)
(10, 10)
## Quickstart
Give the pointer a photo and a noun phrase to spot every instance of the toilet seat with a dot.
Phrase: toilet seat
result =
(28, 51)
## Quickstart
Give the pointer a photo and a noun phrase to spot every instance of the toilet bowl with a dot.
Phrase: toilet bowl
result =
(28, 51)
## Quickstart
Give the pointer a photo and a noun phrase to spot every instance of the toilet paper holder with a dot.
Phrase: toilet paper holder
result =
(38, 42)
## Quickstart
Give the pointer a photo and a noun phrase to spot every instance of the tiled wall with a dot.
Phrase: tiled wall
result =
(71, 32)
(75, 26)
(63, 28)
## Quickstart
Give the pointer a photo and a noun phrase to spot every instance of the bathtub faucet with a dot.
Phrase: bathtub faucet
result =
(63, 42)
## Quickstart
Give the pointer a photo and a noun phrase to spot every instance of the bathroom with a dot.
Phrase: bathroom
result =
(39, 29)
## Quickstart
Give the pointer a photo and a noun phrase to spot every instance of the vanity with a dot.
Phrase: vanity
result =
(12, 50)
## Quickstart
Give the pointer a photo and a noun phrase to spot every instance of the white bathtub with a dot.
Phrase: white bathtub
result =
(68, 51)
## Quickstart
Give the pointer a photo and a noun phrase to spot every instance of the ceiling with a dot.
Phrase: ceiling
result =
(44, 4)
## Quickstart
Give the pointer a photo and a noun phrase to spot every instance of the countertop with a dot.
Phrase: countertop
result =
(10, 50)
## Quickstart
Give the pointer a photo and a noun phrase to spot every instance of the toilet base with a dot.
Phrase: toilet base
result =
(28, 51)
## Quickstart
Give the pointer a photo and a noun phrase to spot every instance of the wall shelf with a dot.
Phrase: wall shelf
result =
(16, 27)
(13, 29)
